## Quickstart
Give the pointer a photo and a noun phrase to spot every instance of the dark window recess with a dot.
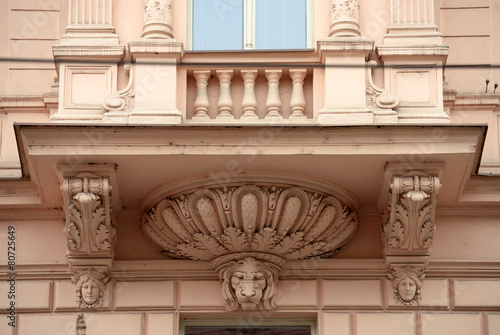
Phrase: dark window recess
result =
(246, 330)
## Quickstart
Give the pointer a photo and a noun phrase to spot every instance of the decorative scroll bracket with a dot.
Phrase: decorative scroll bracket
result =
(409, 216)
(382, 102)
(409, 225)
(90, 209)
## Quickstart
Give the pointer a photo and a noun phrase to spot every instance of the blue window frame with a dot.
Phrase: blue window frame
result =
(250, 24)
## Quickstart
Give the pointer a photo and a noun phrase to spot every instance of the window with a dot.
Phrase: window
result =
(250, 24)
(241, 327)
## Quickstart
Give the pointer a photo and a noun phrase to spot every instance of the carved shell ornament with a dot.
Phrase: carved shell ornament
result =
(257, 226)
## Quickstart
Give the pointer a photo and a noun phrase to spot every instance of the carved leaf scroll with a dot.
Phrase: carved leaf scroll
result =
(285, 221)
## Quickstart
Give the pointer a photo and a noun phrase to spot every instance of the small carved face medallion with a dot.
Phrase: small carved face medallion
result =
(90, 291)
(407, 289)
(407, 284)
(90, 288)
(248, 283)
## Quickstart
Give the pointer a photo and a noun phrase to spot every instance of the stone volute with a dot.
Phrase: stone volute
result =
(248, 231)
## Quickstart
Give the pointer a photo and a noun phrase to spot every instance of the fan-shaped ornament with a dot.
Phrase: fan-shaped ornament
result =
(248, 232)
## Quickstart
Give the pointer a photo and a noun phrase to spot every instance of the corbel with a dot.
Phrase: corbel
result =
(409, 224)
(91, 206)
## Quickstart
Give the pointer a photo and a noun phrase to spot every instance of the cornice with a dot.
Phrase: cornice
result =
(301, 270)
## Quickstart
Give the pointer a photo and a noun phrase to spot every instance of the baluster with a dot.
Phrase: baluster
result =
(273, 102)
(201, 102)
(249, 102)
(225, 102)
(298, 101)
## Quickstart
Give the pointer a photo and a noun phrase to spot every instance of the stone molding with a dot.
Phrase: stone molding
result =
(262, 224)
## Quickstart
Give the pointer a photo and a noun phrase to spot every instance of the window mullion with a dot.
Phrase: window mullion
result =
(249, 25)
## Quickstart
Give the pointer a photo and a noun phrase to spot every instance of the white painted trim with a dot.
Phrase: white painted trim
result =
(189, 25)
(249, 25)
(310, 24)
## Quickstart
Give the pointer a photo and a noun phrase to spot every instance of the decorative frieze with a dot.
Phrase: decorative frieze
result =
(254, 226)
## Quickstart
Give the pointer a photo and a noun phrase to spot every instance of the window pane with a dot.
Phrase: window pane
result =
(281, 24)
(217, 24)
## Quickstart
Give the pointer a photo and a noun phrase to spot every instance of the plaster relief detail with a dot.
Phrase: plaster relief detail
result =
(158, 19)
(407, 283)
(248, 232)
(382, 102)
(249, 283)
(90, 286)
(89, 226)
(285, 221)
(81, 327)
(344, 17)
(119, 104)
(409, 217)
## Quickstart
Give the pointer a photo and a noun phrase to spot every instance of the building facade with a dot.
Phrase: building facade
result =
(250, 166)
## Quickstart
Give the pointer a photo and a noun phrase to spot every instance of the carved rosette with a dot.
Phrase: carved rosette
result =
(90, 231)
(269, 224)
(158, 19)
(409, 217)
(344, 16)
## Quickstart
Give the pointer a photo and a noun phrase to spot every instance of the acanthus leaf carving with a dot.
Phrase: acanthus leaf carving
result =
(267, 224)
(409, 219)
(89, 218)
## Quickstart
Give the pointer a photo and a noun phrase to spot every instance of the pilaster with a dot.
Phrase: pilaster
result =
(156, 56)
(344, 54)
(414, 57)
(87, 61)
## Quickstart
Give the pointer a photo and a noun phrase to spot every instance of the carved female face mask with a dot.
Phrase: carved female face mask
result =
(90, 291)
(407, 289)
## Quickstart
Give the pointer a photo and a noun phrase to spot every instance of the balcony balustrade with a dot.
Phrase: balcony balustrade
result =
(225, 95)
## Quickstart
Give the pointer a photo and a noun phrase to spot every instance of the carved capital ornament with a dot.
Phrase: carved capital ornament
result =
(90, 231)
(248, 232)
(409, 218)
